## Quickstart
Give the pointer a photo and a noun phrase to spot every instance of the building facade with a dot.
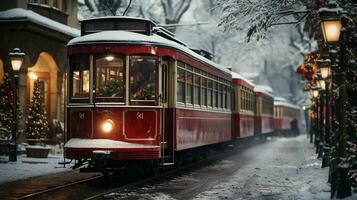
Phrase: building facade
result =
(41, 29)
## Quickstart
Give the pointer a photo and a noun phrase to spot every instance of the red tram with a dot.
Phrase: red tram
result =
(137, 95)
(264, 110)
(243, 110)
(284, 113)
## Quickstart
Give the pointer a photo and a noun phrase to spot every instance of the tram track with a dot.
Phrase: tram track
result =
(170, 174)
(99, 186)
(88, 190)
(32, 195)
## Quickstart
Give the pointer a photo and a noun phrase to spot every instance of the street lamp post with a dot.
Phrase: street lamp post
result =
(335, 30)
(325, 70)
(315, 94)
(16, 58)
(322, 86)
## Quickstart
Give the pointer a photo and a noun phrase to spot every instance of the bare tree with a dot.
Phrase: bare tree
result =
(172, 10)
(105, 7)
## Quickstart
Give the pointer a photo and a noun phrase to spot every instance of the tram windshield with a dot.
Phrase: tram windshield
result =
(79, 76)
(143, 78)
(110, 78)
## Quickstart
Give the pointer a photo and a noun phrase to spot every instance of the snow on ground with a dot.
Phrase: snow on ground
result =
(288, 169)
(29, 167)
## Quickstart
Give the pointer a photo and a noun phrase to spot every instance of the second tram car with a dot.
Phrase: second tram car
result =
(264, 110)
(243, 110)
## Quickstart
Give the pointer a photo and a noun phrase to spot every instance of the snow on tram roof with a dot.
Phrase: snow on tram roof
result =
(264, 89)
(119, 17)
(236, 75)
(280, 101)
(131, 37)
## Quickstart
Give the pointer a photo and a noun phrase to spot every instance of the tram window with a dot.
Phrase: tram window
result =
(143, 78)
(242, 99)
(189, 68)
(219, 98)
(197, 89)
(229, 98)
(215, 94)
(204, 92)
(79, 78)
(210, 93)
(180, 85)
(225, 97)
(189, 86)
(110, 78)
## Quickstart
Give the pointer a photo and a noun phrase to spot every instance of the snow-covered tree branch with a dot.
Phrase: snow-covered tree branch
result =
(256, 17)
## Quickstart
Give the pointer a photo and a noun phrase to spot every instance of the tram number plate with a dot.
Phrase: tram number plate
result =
(139, 115)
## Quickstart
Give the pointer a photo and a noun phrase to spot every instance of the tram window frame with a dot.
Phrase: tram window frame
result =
(79, 59)
(210, 93)
(153, 101)
(196, 88)
(215, 94)
(181, 83)
(204, 82)
(229, 97)
(189, 85)
(120, 57)
(220, 95)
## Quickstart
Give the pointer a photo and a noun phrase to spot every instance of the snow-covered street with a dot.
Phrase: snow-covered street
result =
(285, 168)
(30, 167)
(281, 168)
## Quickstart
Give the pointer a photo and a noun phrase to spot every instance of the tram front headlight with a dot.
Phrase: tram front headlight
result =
(107, 126)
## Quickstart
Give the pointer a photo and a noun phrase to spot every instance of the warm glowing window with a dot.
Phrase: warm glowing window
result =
(110, 78)
(143, 78)
(79, 77)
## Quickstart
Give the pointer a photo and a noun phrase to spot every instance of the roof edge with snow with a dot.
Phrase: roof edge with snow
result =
(18, 14)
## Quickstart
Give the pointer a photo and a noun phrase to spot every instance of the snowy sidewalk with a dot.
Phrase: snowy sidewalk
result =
(29, 167)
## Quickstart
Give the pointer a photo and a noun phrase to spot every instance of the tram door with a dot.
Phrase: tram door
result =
(163, 99)
(167, 154)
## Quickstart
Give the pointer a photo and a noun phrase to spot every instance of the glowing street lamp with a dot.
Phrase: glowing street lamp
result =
(322, 84)
(16, 58)
(325, 67)
(330, 24)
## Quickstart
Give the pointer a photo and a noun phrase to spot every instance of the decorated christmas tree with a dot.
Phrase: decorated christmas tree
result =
(36, 123)
(6, 108)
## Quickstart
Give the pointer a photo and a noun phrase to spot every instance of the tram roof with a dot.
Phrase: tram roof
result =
(107, 37)
(264, 89)
(117, 17)
(280, 101)
(236, 75)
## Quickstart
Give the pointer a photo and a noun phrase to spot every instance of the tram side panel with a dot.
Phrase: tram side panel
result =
(198, 128)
